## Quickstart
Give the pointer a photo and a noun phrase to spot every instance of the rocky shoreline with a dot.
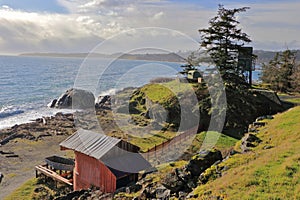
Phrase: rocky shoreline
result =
(26, 145)
(59, 124)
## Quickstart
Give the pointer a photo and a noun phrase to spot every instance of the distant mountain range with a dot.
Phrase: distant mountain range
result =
(266, 56)
(262, 56)
(168, 57)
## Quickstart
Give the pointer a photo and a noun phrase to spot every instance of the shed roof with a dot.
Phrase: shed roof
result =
(90, 143)
(105, 148)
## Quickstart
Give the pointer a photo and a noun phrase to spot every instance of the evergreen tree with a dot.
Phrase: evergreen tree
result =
(279, 71)
(222, 39)
(191, 64)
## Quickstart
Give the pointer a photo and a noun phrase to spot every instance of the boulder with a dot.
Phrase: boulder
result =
(186, 178)
(76, 99)
(248, 141)
(52, 103)
(103, 101)
(175, 182)
(134, 188)
(203, 160)
(162, 192)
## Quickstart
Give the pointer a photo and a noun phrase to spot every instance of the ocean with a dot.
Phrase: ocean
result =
(28, 84)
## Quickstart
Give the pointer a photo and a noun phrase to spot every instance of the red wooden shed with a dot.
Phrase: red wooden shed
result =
(102, 161)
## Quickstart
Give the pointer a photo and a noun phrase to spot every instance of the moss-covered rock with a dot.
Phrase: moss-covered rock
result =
(203, 160)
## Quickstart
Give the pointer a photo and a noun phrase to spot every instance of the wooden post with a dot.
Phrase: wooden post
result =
(155, 151)
(148, 153)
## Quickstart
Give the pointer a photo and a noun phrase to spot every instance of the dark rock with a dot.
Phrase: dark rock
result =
(76, 99)
(103, 101)
(162, 193)
(1, 177)
(248, 141)
(134, 188)
(191, 195)
(52, 103)
(200, 162)
(71, 195)
(148, 193)
(259, 124)
(185, 179)
(12, 156)
(182, 195)
(122, 189)
(264, 117)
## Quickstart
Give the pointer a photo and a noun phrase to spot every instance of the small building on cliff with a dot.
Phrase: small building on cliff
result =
(102, 161)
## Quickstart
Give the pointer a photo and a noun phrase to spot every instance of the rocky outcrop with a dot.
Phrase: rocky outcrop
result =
(60, 124)
(203, 160)
(185, 179)
(86, 194)
(52, 103)
(103, 102)
(249, 141)
(74, 99)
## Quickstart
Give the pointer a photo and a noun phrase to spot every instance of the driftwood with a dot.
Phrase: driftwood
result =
(3, 152)
(6, 140)
(12, 156)
(1, 177)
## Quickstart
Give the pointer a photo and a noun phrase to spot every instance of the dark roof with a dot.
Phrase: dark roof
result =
(105, 148)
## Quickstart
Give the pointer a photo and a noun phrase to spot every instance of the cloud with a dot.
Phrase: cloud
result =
(23, 31)
(270, 25)
(158, 16)
(273, 26)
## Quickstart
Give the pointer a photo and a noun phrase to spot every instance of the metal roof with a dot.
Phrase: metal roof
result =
(90, 143)
(106, 148)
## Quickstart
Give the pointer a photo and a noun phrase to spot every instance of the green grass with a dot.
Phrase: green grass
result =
(263, 174)
(157, 92)
(24, 192)
(151, 139)
(212, 139)
(160, 93)
(293, 100)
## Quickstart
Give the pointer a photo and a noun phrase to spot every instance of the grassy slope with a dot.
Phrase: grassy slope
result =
(163, 91)
(217, 140)
(264, 174)
(24, 192)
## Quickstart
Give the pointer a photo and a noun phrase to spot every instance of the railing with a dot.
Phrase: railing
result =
(165, 149)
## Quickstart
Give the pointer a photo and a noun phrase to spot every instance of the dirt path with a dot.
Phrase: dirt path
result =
(19, 169)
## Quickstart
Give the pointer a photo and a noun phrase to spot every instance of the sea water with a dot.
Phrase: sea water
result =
(28, 84)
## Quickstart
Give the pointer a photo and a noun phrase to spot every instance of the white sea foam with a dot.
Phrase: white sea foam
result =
(30, 115)
(109, 92)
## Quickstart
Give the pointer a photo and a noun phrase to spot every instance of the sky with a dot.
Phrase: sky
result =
(68, 26)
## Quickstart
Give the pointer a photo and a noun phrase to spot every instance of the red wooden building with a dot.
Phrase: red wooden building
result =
(102, 161)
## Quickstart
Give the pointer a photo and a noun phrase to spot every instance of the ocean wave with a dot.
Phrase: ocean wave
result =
(28, 115)
(8, 111)
(112, 91)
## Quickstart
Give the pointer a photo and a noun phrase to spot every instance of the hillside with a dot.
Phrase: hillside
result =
(165, 100)
(270, 171)
(266, 56)
(262, 56)
(156, 106)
